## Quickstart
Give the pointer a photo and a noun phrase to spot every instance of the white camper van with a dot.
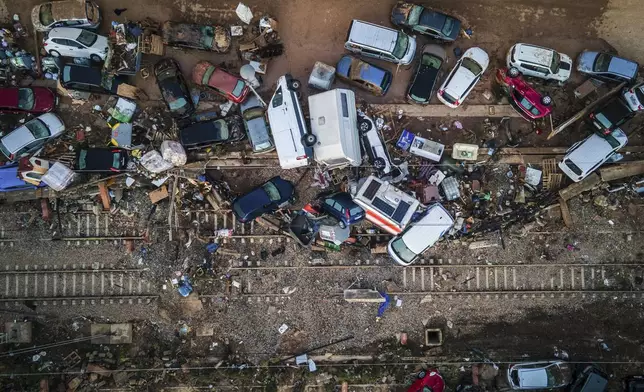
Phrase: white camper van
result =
(288, 126)
(334, 124)
(386, 206)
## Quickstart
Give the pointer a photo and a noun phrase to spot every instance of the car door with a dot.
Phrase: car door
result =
(60, 46)
(79, 49)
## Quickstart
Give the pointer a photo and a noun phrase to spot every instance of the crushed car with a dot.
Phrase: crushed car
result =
(205, 134)
(223, 82)
(524, 99)
(30, 136)
(192, 36)
(67, 13)
(363, 75)
(174, 88)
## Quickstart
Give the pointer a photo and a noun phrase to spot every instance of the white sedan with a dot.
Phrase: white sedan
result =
(466, 73)
(71, 42)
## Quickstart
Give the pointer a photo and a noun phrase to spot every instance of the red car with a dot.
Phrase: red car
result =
(429, 380)
(226, 84)
(530, 104)
(27, 100)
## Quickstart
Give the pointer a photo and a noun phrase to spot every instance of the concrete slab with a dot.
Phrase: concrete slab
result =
(19, 332)
(444, 111)
(363, 295)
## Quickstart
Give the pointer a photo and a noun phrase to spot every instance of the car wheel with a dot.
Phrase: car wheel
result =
(364, 126)
(546, 100)
(54, 53)
(513, 72)
(309, 140)
(342, 224)
(294, 84)
(379, 163)
(95, 58)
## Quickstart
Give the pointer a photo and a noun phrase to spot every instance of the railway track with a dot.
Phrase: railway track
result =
(451, 279)
(82, 227)
(208, 222)
(74, 285)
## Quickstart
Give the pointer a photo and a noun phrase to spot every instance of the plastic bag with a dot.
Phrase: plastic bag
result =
(173, 152)
(153, 162)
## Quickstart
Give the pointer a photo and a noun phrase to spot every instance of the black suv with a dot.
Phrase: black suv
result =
(610, 116)
(591, 379)
(89, 79)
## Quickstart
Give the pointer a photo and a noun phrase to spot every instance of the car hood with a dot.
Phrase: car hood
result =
(101, 43)
(585, 61)
(343, 67)
(53, 122)
(258, 131)
(565, 67)
(400, 13)
(623, 67)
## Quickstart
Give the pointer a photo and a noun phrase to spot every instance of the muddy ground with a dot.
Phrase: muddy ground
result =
(245, 329)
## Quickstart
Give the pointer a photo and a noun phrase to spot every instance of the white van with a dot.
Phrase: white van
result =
(588, 155)
(372, 40)
(292, 140)
(334, 124)
(420, 235)
(385, 205)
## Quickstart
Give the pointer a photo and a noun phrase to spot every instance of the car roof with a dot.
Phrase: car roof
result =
(460, 81)
(84, 74)
(223, 80)
(616, 109)
(373, 35)
(534, 54)
(64, 10)
(594, 383)
(64, 32)
(595, 147)
(202, 132)
(432, 18)
(624, 67)
(361, 70)
(533, 377)
(18, 138)
(428, 229)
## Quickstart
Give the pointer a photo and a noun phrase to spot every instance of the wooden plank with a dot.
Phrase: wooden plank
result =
(565, 212)
(105, 196)
(622, 170)
(578, 188)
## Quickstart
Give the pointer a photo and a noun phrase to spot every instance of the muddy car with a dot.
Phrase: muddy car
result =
(527, 101)
(209, 133)
(426, 21)
(223, 82)
(174, 88)
(193, 36)
(364, 75)
(71, 13)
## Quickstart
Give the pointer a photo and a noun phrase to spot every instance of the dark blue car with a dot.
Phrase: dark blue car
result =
(269, 197)
(9, 180)
(342, 207)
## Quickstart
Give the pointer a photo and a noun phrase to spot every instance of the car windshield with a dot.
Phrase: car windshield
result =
(4, 150)
(414, 15)
(448, 26)
(26, 99)
(272, 191)
(386, 79)
(87, 38)
(67, 74)
(401, 45)
(239, 87)
(277, 98)
(207, 36)
(431, 61)
(603, 120)
(402, 251)
(556, 60)
(448, 97)
(614, 143)
(640, 95)
(37, 128)
(471, 66)
(46, 18)
(555, 375)
(575, 169)
(602, 62)
(238, 210)
(526, 104)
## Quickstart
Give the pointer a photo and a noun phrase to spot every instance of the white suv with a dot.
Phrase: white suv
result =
(540, 62)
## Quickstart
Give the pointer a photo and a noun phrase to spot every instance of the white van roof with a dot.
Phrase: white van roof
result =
(337, 135)
(595, 149)
(373, 35)
(285, 127)
(428, 229)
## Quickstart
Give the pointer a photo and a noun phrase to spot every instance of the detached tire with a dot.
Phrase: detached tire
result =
(546, 100)
(379, 163)
(364, 126)
(513, 72)
(309, 140)
(294, 84)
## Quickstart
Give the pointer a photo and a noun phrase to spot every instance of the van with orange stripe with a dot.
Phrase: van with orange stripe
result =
(386, 206)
